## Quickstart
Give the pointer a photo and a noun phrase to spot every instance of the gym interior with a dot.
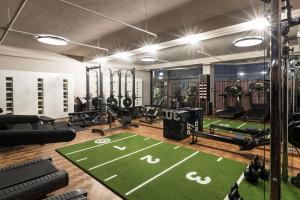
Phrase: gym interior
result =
(148, 99)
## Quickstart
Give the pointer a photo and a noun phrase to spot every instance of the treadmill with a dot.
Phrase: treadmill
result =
(232, 111)
(259, 111)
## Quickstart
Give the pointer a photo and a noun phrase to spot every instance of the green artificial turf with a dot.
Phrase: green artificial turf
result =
(233, 123)
(120, 162)
(262, 190)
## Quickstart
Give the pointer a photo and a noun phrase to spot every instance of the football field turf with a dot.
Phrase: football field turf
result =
(141, 168)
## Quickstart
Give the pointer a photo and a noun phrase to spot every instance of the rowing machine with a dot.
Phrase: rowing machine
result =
(244, 142)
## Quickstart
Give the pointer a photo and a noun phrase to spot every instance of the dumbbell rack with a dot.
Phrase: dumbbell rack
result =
(138, 91)
(204, 92)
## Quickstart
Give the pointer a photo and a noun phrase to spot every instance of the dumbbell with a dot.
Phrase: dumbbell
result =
(251, 174)
(259, 166)
(256, 170)
(234, 193)
(296, 180)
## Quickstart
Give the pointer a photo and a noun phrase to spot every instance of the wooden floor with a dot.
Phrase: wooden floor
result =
(96, 191)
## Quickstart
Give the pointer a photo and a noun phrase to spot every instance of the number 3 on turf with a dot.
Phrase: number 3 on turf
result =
(150, 159)
(192, 176)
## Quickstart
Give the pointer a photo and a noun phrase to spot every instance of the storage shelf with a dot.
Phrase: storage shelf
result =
(40, 84)
(9, 95)
(65, 95)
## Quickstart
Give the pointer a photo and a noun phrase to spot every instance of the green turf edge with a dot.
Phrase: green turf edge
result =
(102, 182)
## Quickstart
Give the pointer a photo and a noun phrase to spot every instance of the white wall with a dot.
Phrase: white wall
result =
(12, 58)
(25, 93)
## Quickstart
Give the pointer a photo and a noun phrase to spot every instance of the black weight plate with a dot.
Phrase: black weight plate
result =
(127, 102)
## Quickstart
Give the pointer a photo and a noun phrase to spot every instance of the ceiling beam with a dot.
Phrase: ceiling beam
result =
(107, 17)
(229, 30)
(69, 41)
(13, 21)
(210, 60)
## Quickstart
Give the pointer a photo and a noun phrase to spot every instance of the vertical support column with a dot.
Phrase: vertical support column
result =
(133, 87)
(212, 88)
(285, 120)
(87, 95)
(111, 83)
(151, 86)
(120, 88)
(275, 101)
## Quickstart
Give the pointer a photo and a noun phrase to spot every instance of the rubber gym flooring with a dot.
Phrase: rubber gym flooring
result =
(140, 168)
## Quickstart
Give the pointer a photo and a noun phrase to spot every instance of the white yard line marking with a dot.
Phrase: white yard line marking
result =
(219, 159)
(212, 123)
(241, 125)
(161, 173)
(238, 182)
(102, 164)
(226, 125)
(99, 145)
(176, 147)
(109, 178)
(81, 159)
(240, 179)
(146, 138)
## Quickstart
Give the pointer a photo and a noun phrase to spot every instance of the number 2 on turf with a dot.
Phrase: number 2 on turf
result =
(192, 176)
(150, 159)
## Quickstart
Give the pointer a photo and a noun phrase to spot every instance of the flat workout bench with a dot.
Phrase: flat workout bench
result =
(27, 137)
(47, 120)
(7, 122)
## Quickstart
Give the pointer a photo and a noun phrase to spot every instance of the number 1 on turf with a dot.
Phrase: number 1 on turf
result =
(120, 148)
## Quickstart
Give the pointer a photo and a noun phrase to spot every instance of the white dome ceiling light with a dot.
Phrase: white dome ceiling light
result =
(52, 39)
(148, 58)
(248, 41)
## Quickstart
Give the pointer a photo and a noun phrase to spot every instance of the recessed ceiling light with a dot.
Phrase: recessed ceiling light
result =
(248, 41)
(191, 39)
(259, 23)
(148, 58)
(150, 48)
(122, 55)
(52, 39)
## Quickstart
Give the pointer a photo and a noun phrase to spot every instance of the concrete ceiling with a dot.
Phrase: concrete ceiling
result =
(169, 19)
